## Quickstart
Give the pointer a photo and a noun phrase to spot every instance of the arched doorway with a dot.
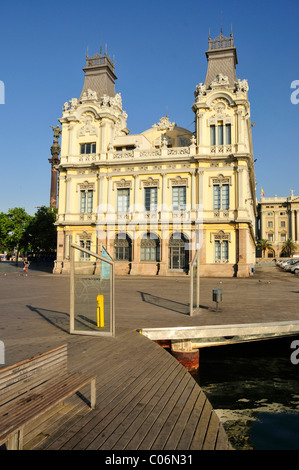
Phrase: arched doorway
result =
(122, 247)
(178, 255)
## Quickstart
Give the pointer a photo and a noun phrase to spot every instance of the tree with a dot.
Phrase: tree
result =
(41, 233)
(3, 231)
(289, 247)
(264, 245)
(15, 225)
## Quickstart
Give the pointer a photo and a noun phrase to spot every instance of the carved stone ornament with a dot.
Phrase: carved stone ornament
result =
(89, 95)
(84, 236)
(178, 181)
(220, 80)
(241, 86)
(123, 183)
(200, 90)
(164, 124)
(220, 235)
(220, 179)
(73, 103)
(150, 182)
(87, 118)
(110, 101)
(86, 186)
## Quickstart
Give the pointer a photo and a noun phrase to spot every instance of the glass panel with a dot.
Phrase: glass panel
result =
(150, 199)
(179, 197)
(228, 134)
(89, 201)
(216, 196)
(225, 196)
(224, 247)
(92, 310)
(213, 135)
(123, 200)
(217, 250)
(220, 133)
(82, 201)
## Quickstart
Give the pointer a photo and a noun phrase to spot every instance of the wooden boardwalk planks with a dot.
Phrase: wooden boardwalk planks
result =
(145, 401)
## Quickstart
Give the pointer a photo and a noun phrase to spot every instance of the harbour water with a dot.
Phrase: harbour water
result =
(254, 389)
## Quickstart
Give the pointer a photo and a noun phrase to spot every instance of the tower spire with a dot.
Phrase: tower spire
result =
(222, 58)
(99, 74)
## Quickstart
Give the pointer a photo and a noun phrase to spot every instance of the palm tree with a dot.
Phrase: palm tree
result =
(289, 247)
(264, 245)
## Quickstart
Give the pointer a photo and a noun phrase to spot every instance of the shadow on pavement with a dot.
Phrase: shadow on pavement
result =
(59, 319)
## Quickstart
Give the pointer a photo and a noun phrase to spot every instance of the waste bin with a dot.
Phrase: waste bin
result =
(217, 295)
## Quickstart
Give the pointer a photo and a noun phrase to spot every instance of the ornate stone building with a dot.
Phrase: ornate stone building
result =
(152, 199)
(278, 220)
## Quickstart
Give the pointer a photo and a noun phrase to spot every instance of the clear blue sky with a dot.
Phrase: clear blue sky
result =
(159, 50)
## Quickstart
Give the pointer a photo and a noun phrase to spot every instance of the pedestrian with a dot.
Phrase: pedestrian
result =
(26, 265)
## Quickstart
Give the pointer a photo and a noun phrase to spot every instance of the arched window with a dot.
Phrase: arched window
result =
(150, 247)
(122, 247)
(178, 255)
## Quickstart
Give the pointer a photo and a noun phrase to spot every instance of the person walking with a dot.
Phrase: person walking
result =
(26, 265)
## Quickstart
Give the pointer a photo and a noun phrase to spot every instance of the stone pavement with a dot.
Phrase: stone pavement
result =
(34, 309)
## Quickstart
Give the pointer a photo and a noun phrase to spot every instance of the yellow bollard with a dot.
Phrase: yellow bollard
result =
(100, 311)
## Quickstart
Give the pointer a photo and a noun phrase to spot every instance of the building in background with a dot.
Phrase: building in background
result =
(278, 221)
(152, 199)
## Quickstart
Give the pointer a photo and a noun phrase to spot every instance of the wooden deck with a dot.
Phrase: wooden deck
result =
(146, 400)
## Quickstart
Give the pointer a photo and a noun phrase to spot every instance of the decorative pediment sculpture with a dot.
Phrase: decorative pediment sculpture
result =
(164, 124)
(220, 80)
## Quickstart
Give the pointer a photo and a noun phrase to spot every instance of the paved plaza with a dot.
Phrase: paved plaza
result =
(35, 308)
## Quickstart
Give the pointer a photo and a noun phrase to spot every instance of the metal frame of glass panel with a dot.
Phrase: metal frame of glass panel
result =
(93, 286)
(194, 285)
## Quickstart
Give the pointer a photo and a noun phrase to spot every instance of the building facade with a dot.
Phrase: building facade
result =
(278, 221)
(153, 199)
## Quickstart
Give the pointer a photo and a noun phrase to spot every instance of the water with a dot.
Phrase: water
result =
(254, 389)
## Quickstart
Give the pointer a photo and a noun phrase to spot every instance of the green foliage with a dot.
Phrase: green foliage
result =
(20, 231)
(264, 245)
(289, 248)
(41, 233)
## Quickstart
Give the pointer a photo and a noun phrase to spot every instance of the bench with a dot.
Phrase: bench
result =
(31, 387)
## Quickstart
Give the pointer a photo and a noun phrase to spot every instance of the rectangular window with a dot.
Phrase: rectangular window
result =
(283, 237)
(213, 135)
(225, 196)
(123, 200)
(86, 201)
(179, 198)
(270, 237)
(221, 250)
(150, 199)
(270, 223)
(221, 197)
(85, 244)
(282, 223)
(220, 133)
(148, 253)
(88, 148)
(216, 196)
(228, 134)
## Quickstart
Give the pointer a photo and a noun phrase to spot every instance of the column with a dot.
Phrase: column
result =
(200, 189)
(192, 190)
(135, 193)
(67, 194)
(71, 128)
(293, 224)
(240, 189)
